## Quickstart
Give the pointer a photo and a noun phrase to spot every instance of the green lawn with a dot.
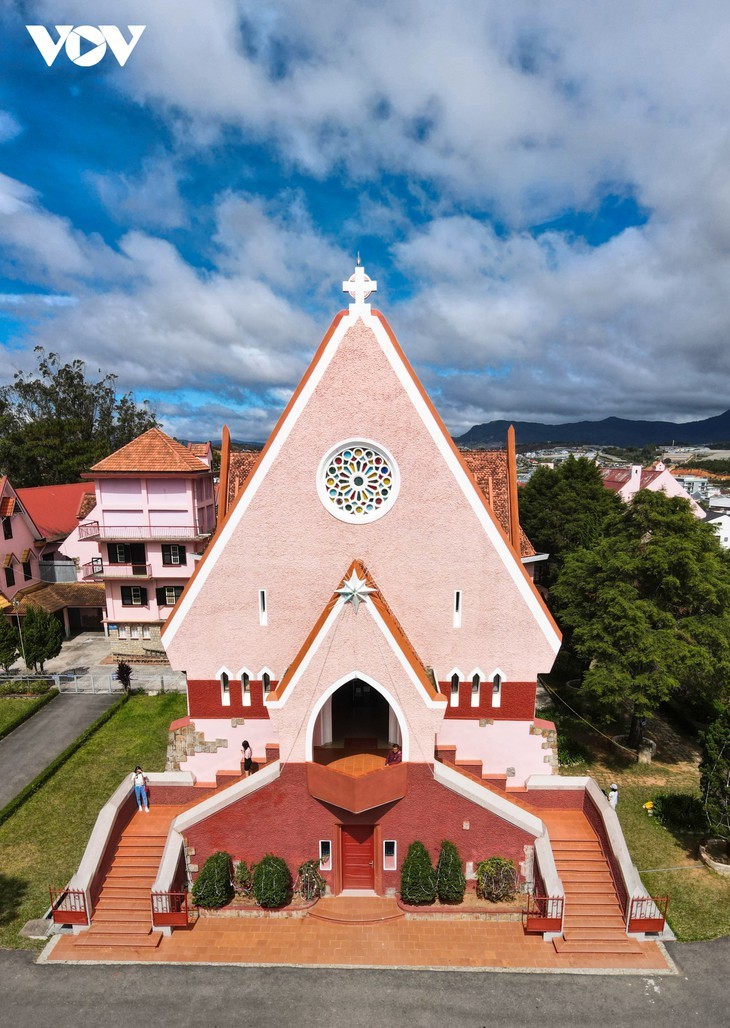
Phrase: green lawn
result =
(11, 707)
(44, 841)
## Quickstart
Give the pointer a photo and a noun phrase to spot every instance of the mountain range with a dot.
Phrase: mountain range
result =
(608, 432)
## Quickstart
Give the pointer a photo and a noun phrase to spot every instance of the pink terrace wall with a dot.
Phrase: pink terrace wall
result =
(518, 701)
(284, 819)
(205, 699)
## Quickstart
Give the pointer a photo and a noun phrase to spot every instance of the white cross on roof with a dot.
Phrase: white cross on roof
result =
(359, 286)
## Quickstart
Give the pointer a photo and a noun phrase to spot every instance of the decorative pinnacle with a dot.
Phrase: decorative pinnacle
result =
(359, 286)
(355, 590)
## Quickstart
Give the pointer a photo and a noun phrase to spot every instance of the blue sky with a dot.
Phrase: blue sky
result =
(541, 191)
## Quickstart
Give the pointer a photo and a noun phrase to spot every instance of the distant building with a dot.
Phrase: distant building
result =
(721, 525)
(628, 481)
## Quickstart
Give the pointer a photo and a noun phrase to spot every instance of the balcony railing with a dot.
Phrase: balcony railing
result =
(357, 793)
(169, 909)
(69, 906)
(647, 914)
(96, 571)
(95, 530)
(543, 914)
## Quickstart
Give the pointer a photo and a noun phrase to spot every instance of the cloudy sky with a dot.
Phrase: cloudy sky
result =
(542, 191)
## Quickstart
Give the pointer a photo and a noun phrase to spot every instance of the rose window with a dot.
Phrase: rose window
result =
(358, 482)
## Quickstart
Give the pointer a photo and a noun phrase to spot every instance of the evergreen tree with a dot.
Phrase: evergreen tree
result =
(42, 637)
(55, 423)
(9, 643)
(648, 606)
(715, 775)
(564, 509)
(450, 880)
(417, 876)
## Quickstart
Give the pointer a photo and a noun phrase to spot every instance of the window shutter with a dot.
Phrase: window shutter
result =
(181, 552)
(160, 596)
(143, 593)
(126, 596)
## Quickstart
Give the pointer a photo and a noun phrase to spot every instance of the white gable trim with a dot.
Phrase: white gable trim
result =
(395, 706)
(468, 487)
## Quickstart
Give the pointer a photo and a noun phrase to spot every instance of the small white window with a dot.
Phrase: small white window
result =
(475, 690)
(246, 688)
(145, 631)
(454, 697)
(390, 855)
(266, 679)
(497, 691)
(134, 632)
(263, 611)
(325, 854)
(457, 608)
(122, 631)
(225, 690)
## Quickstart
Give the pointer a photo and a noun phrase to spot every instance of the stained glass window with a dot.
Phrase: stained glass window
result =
(358, 482)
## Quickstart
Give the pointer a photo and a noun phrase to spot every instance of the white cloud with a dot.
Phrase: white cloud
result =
(151, 198)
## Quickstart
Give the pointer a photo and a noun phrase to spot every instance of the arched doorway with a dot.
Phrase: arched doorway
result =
(358, 715)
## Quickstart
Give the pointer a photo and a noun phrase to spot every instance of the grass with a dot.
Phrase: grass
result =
(43, 842)
(13, 707)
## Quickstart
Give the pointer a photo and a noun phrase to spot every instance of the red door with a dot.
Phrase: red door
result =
(358, 865)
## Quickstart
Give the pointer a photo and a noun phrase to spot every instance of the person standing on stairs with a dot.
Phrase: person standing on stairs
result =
(140, 789)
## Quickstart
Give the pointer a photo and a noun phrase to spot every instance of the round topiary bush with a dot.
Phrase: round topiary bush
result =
(417, 877)
(450, 880)
(271, 881)
(214, 886)
(497, 879)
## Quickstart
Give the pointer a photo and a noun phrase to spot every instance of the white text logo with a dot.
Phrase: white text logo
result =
(98, 37)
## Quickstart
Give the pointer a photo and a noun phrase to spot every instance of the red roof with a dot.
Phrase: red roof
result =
(240, 465)
(54, 508)
(490, 471)
(88, 502)
(616, 478)
(153, 452)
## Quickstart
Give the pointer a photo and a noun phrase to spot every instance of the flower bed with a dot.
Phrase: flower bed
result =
(243, 906)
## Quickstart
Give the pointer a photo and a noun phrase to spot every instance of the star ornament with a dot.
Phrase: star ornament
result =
(355, 590)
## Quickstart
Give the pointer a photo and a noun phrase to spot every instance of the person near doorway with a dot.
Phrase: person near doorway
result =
(247, 758)
(140, 789)
(613, 795)
(395, 756)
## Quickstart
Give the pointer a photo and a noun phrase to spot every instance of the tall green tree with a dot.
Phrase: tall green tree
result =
(648, 608)
(56, 422)
(8, 644)
(715, 775)
(563, 509)
(42, 637)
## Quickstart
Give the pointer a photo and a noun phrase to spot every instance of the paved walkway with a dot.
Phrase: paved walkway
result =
(31, 748)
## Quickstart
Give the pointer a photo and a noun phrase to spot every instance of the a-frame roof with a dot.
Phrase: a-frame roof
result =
(153, 452)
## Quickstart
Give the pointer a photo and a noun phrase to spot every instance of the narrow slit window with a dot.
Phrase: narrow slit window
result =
(390, 855)
(454, 698)
(497, 691)
(246, 688)
(457, 608)
(475, 690)
(263, 608)
(325, 854)
(266, 679)
(225, 690)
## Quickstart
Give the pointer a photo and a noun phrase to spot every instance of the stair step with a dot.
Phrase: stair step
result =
(623, 945)
(593, 921)
(119, 892)
(118, 927)
(576, 846)
(118, 914)
(139, 849)
(130, 876)
(568, 864)
(594, 934)
(584, 888)
(146, 860)
(138, 941)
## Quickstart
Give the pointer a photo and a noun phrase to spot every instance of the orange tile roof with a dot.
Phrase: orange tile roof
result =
(25, 556)
(153, 452)
(57, 595)
(240, 466)
(489, 470)
(88, 502)
(199, 449)
(54, 508)
(616, 478)
(7, 506)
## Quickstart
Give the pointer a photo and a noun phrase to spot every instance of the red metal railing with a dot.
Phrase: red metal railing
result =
(543, 914)
(647, 914)
(69, 906)
(169, 909)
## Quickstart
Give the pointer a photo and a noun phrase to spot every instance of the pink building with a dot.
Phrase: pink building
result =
(153, 516)
(627, 482)
(21, 544)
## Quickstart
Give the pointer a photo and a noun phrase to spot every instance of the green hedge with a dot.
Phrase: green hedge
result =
(417, 877)
(271, 881)
(213, 887)
(34, 687)
(450, 879)
(33, 709)
(49, 772)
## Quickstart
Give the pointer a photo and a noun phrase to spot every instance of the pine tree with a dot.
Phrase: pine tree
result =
(42, 637)
(450, 879)
(9, 642)
(417, 876)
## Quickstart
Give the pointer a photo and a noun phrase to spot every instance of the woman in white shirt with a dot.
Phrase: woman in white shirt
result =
(140, 789)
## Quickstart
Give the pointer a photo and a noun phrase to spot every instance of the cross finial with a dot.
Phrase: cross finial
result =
(359, 286)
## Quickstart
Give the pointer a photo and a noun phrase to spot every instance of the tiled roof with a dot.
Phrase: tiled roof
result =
(489, 469)
(240, 466)
(88, 502)
(8, 559)
(199, 449)
(54, 508)
(57, 595)
(152, 452)
(25, 555)
(616, 478)
(7, 506)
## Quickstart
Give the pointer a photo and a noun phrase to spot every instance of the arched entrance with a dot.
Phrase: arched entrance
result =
(358, 715)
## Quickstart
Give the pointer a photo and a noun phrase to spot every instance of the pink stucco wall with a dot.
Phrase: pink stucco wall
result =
(22, 539)
(430, 544)
(502, 745)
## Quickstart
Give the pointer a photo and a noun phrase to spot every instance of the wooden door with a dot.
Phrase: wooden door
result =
(358, 852)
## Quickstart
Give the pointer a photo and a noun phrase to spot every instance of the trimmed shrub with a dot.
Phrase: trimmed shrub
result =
(417, 877)
(450, 880)
(680, 812)
(213, 887)
(244, 878)
(271, 881)
(310, 883)
(34, 687)
(497, 879)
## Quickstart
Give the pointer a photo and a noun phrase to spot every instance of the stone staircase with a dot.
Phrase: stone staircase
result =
(593, 923)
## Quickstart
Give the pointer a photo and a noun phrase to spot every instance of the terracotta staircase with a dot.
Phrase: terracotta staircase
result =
(122, 914)
(593, 922)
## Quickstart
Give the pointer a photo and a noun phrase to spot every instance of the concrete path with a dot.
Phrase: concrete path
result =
(29, 749)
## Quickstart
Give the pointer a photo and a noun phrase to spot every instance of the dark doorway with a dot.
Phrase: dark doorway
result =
(359, 712)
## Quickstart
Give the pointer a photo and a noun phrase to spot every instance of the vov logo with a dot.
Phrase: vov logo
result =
(98, 36)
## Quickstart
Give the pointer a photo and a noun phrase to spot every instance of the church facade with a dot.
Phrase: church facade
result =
(362, 591)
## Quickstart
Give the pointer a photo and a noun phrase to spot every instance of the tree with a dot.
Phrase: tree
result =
(450, 879)
(9, 643)
(715, 775)
(55, 423)
(648, 606)
(564, 509)
(214, 885)
(42, 637)
(417, 876)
